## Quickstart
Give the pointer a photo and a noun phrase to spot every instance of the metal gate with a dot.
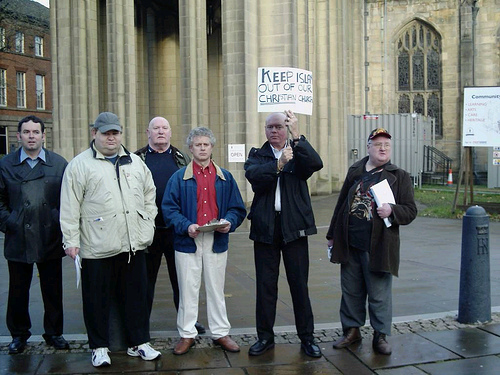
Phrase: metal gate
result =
(410, 133)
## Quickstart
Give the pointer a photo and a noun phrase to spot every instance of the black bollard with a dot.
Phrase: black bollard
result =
(475, 298)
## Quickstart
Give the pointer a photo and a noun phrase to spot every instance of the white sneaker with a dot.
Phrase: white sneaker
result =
(100, 357)
(145, 351)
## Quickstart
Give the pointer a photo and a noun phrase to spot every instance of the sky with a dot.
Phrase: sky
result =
(44, 2)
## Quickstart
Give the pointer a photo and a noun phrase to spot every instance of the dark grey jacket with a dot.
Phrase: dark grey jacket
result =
(29, 208)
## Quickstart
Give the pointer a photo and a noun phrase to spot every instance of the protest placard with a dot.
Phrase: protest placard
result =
(280, 88)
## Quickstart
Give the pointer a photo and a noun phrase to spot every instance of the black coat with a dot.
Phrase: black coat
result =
(297, 217)
(384, 249)
(29, 208)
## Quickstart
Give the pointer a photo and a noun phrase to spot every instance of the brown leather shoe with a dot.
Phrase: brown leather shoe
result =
(183, 346)
(380, 344)
(228, 344)
(351, 336)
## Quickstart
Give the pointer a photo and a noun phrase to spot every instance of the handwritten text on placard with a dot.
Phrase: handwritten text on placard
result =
(281, 88)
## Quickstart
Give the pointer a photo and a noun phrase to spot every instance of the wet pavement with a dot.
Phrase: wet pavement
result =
(426, 338)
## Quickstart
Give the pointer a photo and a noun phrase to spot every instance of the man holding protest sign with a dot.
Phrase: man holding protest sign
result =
(281, 219)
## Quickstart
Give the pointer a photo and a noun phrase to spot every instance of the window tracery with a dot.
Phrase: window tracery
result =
(419, 77)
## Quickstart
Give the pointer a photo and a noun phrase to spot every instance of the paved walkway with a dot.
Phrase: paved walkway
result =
(426, 339)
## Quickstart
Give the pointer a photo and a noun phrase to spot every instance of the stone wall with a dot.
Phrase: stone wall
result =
(140, 60)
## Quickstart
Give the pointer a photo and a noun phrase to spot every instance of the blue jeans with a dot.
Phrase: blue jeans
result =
(358, 283)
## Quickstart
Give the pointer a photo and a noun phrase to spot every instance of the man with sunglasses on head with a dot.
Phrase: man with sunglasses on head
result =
(281, 219)
(366, 248)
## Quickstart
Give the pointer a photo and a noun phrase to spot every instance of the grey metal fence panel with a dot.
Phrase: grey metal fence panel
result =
(493, 169)
(410, 132)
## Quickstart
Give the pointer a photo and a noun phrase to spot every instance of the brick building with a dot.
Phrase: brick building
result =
(25, 68)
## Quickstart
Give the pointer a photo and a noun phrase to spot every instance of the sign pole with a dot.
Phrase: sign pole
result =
(466, 174)
(459, 182)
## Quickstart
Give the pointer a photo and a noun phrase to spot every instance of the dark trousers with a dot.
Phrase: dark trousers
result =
(162, 246)
(267, 264)
(18, 317)
(115, 277)
(359, 284)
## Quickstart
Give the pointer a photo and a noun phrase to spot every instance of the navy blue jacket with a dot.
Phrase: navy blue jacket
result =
(179, 207)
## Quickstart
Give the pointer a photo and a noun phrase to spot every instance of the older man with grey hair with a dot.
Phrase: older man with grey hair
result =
(163, 159)
(197, 196)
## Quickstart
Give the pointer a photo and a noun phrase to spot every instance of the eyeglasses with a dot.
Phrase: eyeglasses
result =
(380, 144)
(277, 127)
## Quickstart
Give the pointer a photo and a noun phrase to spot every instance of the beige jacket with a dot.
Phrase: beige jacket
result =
(107, 209)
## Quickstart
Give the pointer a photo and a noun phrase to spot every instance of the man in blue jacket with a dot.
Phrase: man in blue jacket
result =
(282, 218)
(30, 185)
(196, 195)
(163, 159)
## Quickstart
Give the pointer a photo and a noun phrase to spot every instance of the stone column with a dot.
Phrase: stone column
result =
(193, 56)
(120, 60)
(94, 65)
(75, 73)
(240, 29)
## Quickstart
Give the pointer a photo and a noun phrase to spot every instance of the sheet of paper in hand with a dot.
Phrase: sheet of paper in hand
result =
(213, 225)
(382, 193)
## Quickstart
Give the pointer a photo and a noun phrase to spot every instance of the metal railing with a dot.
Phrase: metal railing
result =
(436, 163)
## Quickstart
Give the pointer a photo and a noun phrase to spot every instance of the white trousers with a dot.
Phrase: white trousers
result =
(189, 268)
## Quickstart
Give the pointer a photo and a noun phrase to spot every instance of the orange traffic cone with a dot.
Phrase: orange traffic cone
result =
(450, 177)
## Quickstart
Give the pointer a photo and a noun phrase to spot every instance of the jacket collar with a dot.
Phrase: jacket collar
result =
(266, 150)
(188, 173)
(358, 169)
(47, 160)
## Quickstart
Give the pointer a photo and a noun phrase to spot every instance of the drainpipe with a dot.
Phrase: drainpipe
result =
(475, 10)
(365, 31)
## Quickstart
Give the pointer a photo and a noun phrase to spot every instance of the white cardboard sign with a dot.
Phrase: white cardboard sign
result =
(236, 153)
(280, 88)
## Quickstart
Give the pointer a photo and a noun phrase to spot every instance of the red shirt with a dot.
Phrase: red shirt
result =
(206, 196)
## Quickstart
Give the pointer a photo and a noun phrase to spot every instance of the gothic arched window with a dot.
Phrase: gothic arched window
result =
(419, 72)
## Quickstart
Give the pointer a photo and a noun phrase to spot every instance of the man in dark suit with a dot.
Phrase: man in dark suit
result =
(281, 219)
(30, 186)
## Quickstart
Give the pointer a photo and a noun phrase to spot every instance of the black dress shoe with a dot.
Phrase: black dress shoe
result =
(311, 349)
(260, 347)
(57, 342)
(17, 345)
(199, 327)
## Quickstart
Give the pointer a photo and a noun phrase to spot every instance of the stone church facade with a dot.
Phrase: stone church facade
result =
(195, 62)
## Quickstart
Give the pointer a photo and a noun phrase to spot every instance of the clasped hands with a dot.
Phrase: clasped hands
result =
(193, 231)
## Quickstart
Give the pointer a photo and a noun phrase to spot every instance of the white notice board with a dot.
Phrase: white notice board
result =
(280, 88)
(481, 117)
